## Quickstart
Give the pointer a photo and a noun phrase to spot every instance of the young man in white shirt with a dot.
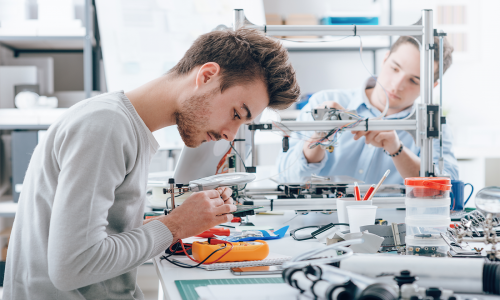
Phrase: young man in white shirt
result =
(79, 230)
(366, 155)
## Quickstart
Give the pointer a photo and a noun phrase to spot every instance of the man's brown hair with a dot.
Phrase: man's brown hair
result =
(245, 55)
(447, 51)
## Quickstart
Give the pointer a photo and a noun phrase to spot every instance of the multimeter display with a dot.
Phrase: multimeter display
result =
(242, 251)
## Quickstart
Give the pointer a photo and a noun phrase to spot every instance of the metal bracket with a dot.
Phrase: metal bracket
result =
(434, 121)
(431, 47)
(436, 33)
(260, 126)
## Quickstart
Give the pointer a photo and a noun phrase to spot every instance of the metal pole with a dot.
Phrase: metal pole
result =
(87, 51)
(254, 149)
(390, 21)
(426, 86)
(239, 19)
(321, 30)
(374, 62)
(339, 30)
(289, 126)
(441, 58)
(239, 146)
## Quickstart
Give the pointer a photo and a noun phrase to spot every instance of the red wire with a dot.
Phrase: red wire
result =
(189, 246)
(182, 245)
(286, 134)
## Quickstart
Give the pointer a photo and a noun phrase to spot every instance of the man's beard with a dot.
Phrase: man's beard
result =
(192, 119)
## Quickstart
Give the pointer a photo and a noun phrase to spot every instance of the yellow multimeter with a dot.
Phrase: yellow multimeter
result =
(242, 251)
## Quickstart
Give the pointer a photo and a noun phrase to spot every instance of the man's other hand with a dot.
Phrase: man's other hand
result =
(199, 212)
(225, 194)
(317, 154)
(388, 140)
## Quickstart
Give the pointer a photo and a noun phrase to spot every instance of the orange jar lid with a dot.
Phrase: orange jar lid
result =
(438, 183)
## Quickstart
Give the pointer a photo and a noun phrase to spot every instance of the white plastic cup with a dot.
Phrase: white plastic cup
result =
(342, 209)
(361, 215)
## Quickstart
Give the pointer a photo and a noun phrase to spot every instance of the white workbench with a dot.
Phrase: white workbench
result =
(168, 273)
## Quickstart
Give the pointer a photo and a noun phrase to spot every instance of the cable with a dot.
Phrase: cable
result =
(231, 144)
(376, 81)
(316, 41)
(183, 265)
(306, 258)
(166, 201)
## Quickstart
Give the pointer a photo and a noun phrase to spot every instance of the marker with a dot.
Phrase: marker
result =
(380, 183)
(357, 195)
(369, 192)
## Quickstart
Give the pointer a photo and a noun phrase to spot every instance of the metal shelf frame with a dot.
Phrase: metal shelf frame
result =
(426, 124)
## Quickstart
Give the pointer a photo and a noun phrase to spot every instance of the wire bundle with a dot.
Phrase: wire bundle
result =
(330, 139)
(199, 263)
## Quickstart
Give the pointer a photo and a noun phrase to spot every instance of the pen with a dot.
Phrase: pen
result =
(379, 184)
(369, 192)
(357, 195)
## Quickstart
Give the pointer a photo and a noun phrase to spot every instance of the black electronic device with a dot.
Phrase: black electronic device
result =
(245, 210)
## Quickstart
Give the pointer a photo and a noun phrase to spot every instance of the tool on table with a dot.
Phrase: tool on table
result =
(317, 234)
(212, 232)
(379, 184)
(369, 192)
(202, 184)
(357, 194)
(240, 251)
(258, 270)
(253, 235)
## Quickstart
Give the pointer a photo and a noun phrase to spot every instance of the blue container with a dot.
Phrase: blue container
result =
(457, 194)
(349, 21)
(303, 101)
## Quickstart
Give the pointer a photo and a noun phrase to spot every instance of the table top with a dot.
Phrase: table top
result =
(168, 273)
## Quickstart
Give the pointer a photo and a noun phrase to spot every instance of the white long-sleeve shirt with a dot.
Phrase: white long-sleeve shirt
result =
(78, 231)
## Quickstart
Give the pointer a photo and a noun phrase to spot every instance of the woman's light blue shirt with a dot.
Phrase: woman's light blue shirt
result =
(355, 158)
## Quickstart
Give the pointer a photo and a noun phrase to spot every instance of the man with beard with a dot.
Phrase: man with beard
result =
(78, 232)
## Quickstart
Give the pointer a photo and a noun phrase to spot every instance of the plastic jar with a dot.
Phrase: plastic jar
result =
(427, 215)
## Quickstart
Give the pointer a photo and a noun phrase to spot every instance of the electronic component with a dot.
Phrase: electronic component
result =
(328, 282)
(432, 251)
(241, 251)
(245, 210)
(472, 276)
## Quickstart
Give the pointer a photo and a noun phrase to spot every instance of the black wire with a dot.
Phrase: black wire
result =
(292, 232)
(166, 201)
(186, 267)
(230, 144)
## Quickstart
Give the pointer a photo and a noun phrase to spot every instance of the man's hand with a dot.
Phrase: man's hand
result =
(199, 212)
(225, 194)
(388, 140)
(316, 154)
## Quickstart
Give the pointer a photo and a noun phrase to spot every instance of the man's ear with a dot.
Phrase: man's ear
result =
(207, 74)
